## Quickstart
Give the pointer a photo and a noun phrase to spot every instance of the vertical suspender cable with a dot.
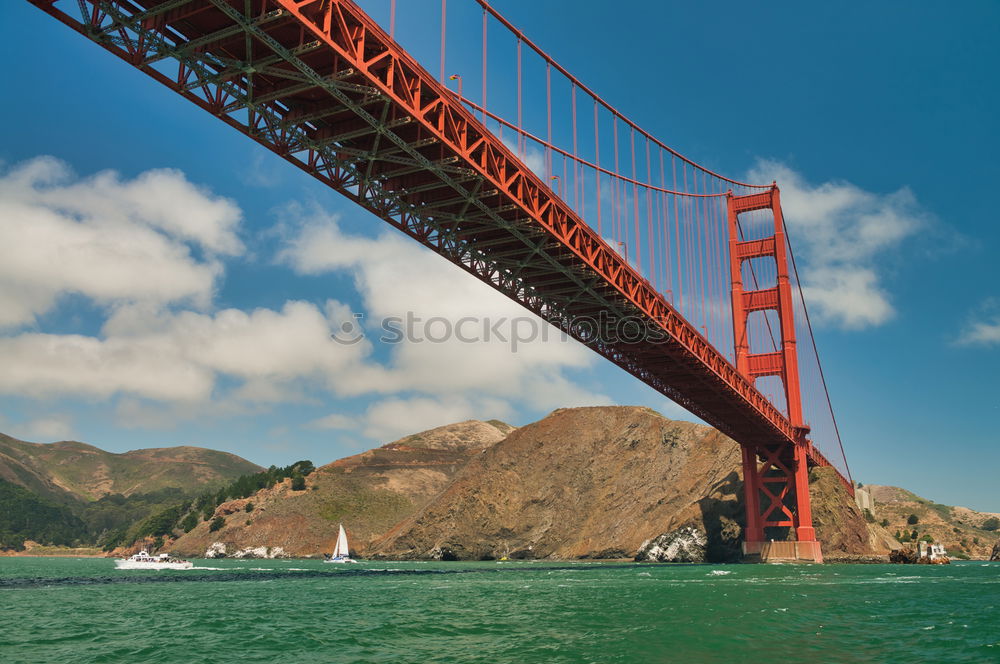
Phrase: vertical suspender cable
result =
(576, 165)
(649, 216)
(677, 237)
(520, 136)
(635, 204)
(548, 120)
(597, 172)
(444, 21)
(615, 212)
(484, 63)
(665, 216)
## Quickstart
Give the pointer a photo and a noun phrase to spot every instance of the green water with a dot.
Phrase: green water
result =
(82, 610)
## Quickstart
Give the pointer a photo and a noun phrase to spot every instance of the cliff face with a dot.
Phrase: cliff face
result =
(601, 482)
(584, 482)
(840, 525)
(74, 470)
(369, 493)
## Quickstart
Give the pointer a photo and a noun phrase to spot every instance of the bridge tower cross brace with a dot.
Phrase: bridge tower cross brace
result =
(775, 476)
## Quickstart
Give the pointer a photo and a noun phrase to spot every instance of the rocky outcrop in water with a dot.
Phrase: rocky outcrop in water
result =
(903, 557)
(684, 545)
(995, 554)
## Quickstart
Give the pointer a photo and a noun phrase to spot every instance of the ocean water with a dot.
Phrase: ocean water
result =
(82, 610)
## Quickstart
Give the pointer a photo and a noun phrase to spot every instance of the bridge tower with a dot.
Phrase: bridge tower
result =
(775, 475)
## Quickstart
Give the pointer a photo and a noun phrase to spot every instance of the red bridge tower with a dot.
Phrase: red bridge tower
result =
(775, 475)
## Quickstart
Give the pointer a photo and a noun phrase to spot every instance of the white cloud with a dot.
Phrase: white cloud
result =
(395, 277)
(108, 239)
(333, 421)
(842, 235)
(391, 419)
(533, 157)
(149, 250)
(46, 429)
(984, 328)
(180, 357)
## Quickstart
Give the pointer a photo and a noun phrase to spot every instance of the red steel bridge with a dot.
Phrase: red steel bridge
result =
(509, 166)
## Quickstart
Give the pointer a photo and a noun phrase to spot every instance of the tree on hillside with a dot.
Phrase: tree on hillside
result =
(217, 523)
(189, 522)
(913, 519)
(991, 524)
(298, 481)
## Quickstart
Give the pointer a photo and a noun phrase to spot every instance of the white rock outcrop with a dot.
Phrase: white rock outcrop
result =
(219, 550)
(684, 545)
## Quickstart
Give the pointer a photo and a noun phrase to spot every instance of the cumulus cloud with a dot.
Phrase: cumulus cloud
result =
(533, 157)
(842, 234)
(983, 329)
(399, 279)
(181, 357)
(150, 250)
(333, 421)
(109, 239)
(50, 428)
(393, 418)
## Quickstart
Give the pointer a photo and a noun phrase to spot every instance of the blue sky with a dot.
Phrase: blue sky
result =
(886, 112)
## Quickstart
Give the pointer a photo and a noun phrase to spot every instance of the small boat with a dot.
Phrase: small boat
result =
(340, 552)
(143, 560)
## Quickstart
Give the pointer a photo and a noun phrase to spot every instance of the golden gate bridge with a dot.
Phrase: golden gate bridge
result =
(518, 172)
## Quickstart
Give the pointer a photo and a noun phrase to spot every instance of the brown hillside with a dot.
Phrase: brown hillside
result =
(963, 532)
(598, 482)
(71, 469)
(369, 493)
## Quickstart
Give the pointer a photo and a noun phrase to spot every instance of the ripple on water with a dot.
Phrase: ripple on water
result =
(464, 612)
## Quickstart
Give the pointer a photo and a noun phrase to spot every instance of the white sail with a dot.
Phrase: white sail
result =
(341, 548)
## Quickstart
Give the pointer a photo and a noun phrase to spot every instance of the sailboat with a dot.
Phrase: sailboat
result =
(340, 552)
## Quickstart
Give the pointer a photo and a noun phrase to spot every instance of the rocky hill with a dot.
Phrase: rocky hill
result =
(964, 532)
(73, 494)
(605, 482)
(600, 483)
(369, 493)
(84, 472)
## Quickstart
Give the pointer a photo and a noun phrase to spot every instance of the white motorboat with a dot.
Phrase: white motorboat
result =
(341, 554)
(143, 560)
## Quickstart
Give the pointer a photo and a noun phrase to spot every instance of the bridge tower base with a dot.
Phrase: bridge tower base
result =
(773, 552)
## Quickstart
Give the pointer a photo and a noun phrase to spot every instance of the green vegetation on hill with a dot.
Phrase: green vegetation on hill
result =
(25, 515)
(73, 493)
(184, 515)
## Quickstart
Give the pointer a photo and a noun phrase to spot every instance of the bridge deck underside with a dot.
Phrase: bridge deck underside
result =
(324, 87)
